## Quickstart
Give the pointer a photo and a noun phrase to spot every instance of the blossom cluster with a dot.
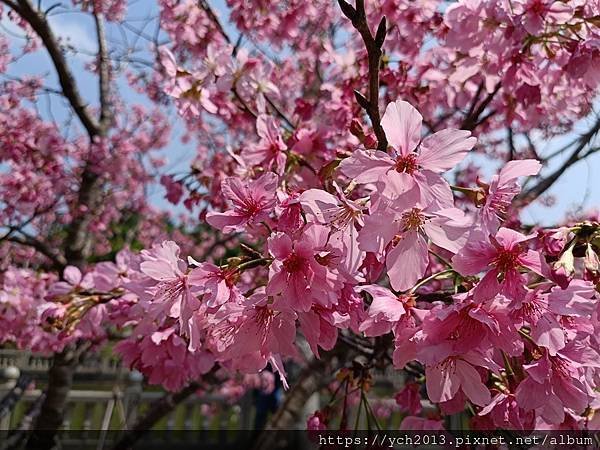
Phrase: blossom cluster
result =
(509, 330)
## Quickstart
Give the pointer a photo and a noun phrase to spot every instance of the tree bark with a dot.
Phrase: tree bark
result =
(79, 241)
(60, 380)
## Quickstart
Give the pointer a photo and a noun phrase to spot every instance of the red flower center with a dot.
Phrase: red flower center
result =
(412, 219)
(538, 7)
(507, 259)
(293, 263)
(407, 164)
(252, 207)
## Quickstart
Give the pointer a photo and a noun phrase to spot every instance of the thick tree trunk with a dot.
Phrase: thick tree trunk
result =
(60, 379)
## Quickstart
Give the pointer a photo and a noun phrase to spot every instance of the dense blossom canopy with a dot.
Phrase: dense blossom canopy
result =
(332, 206)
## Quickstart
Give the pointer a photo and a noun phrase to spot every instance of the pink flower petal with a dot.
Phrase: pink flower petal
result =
(402, 125)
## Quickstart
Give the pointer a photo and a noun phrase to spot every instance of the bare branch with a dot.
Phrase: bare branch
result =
(40, 25)
(473, 117)
(103, 73)
(57, 259)
(576, 155)
(511, 144)
(358, 17)
(211, 14)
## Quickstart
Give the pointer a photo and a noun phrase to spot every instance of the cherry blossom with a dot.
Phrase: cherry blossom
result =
(252, 202)
(411, 173)
(503, 255)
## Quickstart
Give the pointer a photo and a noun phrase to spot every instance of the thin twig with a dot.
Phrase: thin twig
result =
(40, 25)
(576, 155)
(373, 45)
(103, 73)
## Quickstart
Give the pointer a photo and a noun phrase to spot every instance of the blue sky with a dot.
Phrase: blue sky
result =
(575, 189)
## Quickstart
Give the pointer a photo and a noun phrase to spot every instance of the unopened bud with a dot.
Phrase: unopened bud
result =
(356, 129)
(370, 141)
(591, 259)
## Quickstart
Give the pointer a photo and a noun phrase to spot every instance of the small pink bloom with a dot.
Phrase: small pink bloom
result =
(502, 189)
(252, 203)
(299, 272)
(270, 151)
(252, 334)
(174, 189)
(343, 216)
(173, 294)
(537, 12)
(403, 238)
(289, 211)
(385, 311)
(444, 380)
(316, 422)
(163, 357)
(505, 413)
(412, 172)
(74, 281)
(219, 284)
(318, 329)
(409, 399)
(553, 384)
(503, 255)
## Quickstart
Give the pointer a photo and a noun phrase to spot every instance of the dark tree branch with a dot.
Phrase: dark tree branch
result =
(576, 155)
(213, 17)
(103, 74)
(29, 241)
(78, 241)
(12, 5)
(287, 121)
(473, 117)
(475, 100)
(40, 25)
(511, 144)
(358, 17)
(60, 380)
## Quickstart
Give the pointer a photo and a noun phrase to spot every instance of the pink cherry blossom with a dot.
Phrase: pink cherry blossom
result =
(253, 334)
(502, 189)
(409, 399)
(299, 273)
(270, 151)
(344, 216)
(552, 384)
(252, 202)
(403, 238)
(402, 260)
(219, 284)
(411, 174)
(536, 12)
(173, 293)
(446, 378)
(316, 422)
(502, 256)
(384, 312)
